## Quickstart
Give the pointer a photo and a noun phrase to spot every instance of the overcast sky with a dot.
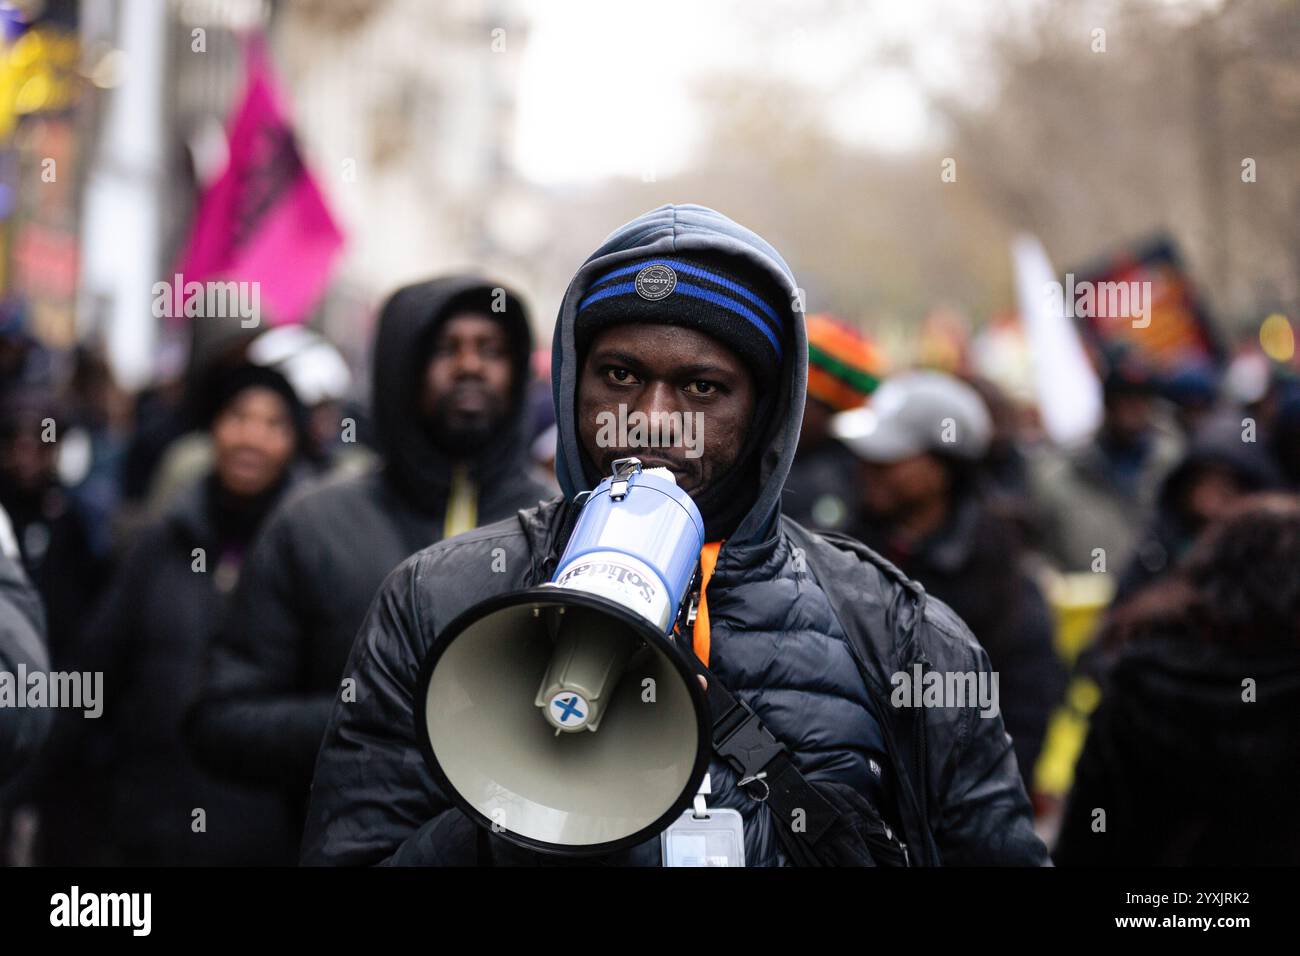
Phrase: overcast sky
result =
(606, 87)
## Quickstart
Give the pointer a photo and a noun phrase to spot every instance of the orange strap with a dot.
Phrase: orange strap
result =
(700, 639)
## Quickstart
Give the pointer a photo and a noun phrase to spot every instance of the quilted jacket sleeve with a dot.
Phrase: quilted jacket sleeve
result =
(253, 723)
(373, 800)
(980, 813)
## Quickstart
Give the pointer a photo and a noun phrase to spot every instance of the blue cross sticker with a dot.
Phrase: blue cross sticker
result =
(568, 708)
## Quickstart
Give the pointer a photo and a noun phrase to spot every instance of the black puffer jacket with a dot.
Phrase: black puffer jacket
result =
(974, 563)
(779, 640)
(276, 669)
(150, 638)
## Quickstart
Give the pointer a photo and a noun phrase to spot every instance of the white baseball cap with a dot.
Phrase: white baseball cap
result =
(914, 413)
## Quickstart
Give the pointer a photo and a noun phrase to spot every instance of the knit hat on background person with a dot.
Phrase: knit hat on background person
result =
(843, 366)
(238, 378)
(722, 295)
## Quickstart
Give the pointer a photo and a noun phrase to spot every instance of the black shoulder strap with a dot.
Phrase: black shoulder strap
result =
(839, 587)
(767, 772)
(802, 816)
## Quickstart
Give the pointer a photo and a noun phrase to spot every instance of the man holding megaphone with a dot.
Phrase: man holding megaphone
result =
(658, 668)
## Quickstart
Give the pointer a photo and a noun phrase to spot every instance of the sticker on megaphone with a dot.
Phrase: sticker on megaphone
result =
(621, 578)
(570, 710)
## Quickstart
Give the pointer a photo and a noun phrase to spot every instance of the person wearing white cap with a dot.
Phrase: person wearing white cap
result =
(921, 442)
(917, 412)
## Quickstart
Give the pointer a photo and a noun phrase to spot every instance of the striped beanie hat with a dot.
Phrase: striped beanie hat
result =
(722, 295)
(843, 366)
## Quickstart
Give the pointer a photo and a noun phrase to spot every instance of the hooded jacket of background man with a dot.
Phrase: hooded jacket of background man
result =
(277, 667)
(779, 642)
(23, 731)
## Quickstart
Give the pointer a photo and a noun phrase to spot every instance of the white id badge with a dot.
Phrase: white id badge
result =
(716, 839)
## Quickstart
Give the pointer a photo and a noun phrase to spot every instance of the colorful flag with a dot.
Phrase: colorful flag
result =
(264, 219)
(1174, 332)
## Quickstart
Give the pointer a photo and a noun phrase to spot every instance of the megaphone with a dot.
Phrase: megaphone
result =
(564, 717)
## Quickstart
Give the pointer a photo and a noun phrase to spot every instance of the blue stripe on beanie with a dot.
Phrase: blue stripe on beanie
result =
(727, 302)
(719, 289)
(687, 269)
(685, 288)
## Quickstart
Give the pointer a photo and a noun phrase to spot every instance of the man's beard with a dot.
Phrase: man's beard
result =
(461, 434)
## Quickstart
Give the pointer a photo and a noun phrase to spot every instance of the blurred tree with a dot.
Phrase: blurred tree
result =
(1093, 149)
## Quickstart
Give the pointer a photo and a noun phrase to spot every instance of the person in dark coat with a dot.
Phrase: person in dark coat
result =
(22, 642)
(150, 638)
(53, 532)
(1193, 755)
(924, 507)
(843, 369)
(450, 375)
(1218, 470)
(806, 631)
(55, 544)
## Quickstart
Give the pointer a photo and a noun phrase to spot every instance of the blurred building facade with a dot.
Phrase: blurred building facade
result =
(403, 110)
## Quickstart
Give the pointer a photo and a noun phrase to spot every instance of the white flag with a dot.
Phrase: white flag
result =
(1069, 392)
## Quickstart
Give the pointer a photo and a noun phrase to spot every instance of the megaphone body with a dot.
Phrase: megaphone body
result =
(564, 716)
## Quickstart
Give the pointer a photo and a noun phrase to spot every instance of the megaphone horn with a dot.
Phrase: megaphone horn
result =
(564, 716)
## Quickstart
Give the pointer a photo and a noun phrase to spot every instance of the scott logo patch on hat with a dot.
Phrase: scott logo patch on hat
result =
(656, 282)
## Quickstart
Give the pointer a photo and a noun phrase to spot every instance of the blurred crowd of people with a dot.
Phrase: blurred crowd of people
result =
(1186, 499)
(212, 544)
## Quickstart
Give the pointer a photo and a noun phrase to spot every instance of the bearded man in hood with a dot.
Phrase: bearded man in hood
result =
(451, 373)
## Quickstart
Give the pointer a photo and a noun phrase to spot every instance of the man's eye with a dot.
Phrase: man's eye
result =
(620, 376)
(701, 388)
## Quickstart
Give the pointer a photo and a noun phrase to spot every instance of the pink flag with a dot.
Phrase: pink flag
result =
(264, 220)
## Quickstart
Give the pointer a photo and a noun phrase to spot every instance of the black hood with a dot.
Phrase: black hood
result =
(416, 467)
(1218, 444)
